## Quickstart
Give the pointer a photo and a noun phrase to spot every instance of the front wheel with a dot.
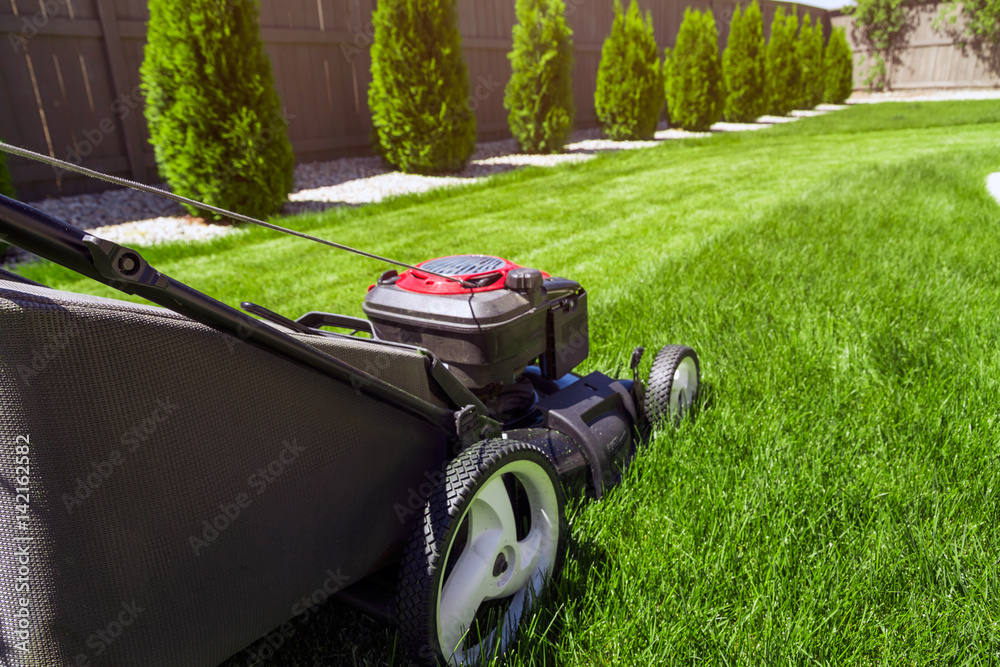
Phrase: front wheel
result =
(488, 541)
(673, 384)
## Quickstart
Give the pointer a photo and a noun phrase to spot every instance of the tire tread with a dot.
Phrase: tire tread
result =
(421, 557)
(661, 380)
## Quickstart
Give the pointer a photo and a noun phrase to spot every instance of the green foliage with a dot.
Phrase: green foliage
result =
(214, 117)
(782, 71)
(743, 66)
(881, 27)
(839, 68)
(629, 95)
(809, 51)
(982, 18)
(422, 118)
(693, 74)
(978, 32)
(539, 95)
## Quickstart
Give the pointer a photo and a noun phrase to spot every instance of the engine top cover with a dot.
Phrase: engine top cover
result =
(484, 271)
(502, 317)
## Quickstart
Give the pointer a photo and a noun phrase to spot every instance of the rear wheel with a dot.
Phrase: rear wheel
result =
(673, 383)
(488, 541)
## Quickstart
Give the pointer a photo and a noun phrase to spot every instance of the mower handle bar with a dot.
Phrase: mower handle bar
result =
(125, 270)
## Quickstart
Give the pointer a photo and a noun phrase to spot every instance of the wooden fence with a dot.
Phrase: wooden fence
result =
(69, 75)
(928, 56)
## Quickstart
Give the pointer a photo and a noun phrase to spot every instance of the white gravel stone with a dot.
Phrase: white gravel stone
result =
(163, 230)
(738, 127)
(527, 160)
(595, 145)
(109, 208)
(136, 218)
(777, 120)
(366, 180)
(861, 97)
(664, 135)
(374, 188)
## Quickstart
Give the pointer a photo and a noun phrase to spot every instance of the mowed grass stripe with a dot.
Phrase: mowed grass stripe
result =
(836, 500)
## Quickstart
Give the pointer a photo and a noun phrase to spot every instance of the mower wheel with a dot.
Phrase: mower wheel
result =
(489, 539)
(673, 383)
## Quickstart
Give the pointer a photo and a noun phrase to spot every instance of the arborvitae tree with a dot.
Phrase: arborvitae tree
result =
(419, 95)
(694, 87)
(782, 70)
(539, 95)
(839, 68)
(743, 66)
(215, 119)
(809, 49)
(629, 96)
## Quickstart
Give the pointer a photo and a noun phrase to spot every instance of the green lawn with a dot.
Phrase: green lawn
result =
(837, 499)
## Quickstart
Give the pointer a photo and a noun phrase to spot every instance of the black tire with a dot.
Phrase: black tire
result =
(439, 553)
(666, 398)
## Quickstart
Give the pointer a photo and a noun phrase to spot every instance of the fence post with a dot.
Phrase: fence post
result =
(119, 81)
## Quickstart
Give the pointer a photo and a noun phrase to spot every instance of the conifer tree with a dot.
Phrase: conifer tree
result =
(419, 93)
(782, 71)
(743, 67)
(629, 95)
(214, 117)
(810, 55)
(839, 68)
(539, 95)
(694, 88)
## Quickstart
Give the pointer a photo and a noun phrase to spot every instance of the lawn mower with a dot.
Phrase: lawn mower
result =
(178, 481)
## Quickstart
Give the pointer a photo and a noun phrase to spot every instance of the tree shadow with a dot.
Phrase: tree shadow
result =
(980, 47)
(337, 634)
(889, 51)
(592, 563)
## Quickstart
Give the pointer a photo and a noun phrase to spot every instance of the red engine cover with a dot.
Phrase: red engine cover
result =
(491, 271)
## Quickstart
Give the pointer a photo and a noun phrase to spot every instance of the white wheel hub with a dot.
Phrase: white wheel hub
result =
(684, 387)
(494, 564)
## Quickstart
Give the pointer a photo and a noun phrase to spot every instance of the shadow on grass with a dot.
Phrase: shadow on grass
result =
(336, 634)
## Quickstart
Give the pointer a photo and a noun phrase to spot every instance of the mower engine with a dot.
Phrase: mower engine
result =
(513, 335)
(506, 318)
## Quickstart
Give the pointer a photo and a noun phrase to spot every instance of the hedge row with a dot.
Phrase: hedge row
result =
(216, 124)
(791, 70)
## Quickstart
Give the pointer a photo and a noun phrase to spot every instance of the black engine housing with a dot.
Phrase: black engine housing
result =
(487, 334)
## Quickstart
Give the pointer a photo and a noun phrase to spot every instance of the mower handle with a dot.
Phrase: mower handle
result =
(124, 269)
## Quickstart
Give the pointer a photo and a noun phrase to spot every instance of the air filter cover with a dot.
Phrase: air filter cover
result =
(484, 271)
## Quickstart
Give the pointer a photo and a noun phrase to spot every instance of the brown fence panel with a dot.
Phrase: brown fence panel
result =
(57, 76)
(929, 57)
(69, 75)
